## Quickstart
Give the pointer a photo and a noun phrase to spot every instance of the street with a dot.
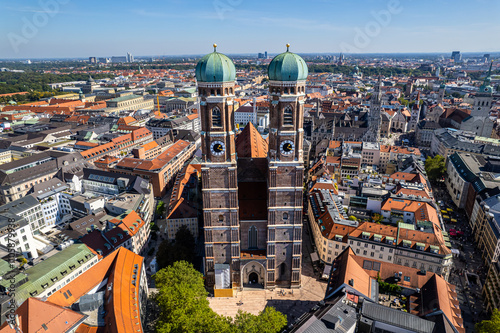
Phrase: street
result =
(467, 270)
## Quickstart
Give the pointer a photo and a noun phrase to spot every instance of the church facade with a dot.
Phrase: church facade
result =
(479, 121)
(251, 187)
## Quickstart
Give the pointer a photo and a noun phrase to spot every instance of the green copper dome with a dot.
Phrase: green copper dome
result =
(215, 67)
(287, 67)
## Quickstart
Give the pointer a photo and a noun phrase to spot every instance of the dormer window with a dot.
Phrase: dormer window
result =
(389, 240)
(365, 235)
(406, 243)
(434, 249)
(420, 246)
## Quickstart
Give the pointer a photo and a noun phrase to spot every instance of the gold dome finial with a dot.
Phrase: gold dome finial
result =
(215, 47)
(287, 47)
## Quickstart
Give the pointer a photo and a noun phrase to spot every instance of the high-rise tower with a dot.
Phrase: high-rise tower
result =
(287, 84)
(215, 74)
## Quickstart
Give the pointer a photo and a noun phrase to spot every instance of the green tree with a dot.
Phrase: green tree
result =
(183, 303)
(435, 167)
(352, 218)
(491, 325)
(160, 208)
(268, 321)
(184, 307)
(182, 249)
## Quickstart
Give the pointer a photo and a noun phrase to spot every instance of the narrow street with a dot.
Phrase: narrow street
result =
(467, 266)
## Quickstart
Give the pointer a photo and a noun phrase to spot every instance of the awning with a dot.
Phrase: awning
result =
(377, 237)
(338, 237)
(406, 242)
(314, 256)
(447, 244)
(365, 234)
(421, 244)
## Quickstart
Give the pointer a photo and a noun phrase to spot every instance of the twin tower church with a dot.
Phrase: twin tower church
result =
(252, 187)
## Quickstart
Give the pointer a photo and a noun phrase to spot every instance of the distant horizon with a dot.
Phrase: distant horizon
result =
(436, 53)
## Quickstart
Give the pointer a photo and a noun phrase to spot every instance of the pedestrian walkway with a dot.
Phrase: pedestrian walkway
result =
(292, 302)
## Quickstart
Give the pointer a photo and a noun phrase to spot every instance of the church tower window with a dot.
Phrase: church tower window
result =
(288, 116)
(216, 117)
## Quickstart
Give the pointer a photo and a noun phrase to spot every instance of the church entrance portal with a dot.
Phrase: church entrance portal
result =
(253, 278)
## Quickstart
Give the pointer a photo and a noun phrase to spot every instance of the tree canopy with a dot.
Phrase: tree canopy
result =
(182, 249)
(491, 325)
(435, 167)
(184, 307)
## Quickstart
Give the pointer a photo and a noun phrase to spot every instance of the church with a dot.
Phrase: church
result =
(252, 187)
(479, 121)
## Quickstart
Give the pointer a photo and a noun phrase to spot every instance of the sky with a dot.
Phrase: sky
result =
(103, 28)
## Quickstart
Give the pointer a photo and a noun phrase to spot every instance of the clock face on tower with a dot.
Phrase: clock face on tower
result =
(287, 147)
(217, 148)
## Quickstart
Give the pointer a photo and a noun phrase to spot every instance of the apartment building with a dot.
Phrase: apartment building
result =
(405, 244)
(161, 170)
(120, 145)
(15, 232)
(18, 177)
(50, 274)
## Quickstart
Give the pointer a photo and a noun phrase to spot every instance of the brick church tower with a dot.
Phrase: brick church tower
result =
(287, 84)
(252, 188)
(215, 74)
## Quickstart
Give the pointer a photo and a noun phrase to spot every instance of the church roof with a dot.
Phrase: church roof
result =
(287, 66)
(215, 67)
(250, 143)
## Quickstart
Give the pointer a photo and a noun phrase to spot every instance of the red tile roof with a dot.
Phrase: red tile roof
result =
(34, 313)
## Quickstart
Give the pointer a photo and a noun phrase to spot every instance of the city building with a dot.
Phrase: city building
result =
(19, 176)
(160, 171)
(479, 121)
(28, 208)
(111, 295)
(51, 273)
(129, 103)
(21, 235)
(55, 203)
(162, 127)
(252, 204)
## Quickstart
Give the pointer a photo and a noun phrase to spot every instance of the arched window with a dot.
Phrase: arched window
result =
(285, 216)
(216, 117)
(252, 237)
(288, 116)
(221, 218)
(218, 92)
(227, 91)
